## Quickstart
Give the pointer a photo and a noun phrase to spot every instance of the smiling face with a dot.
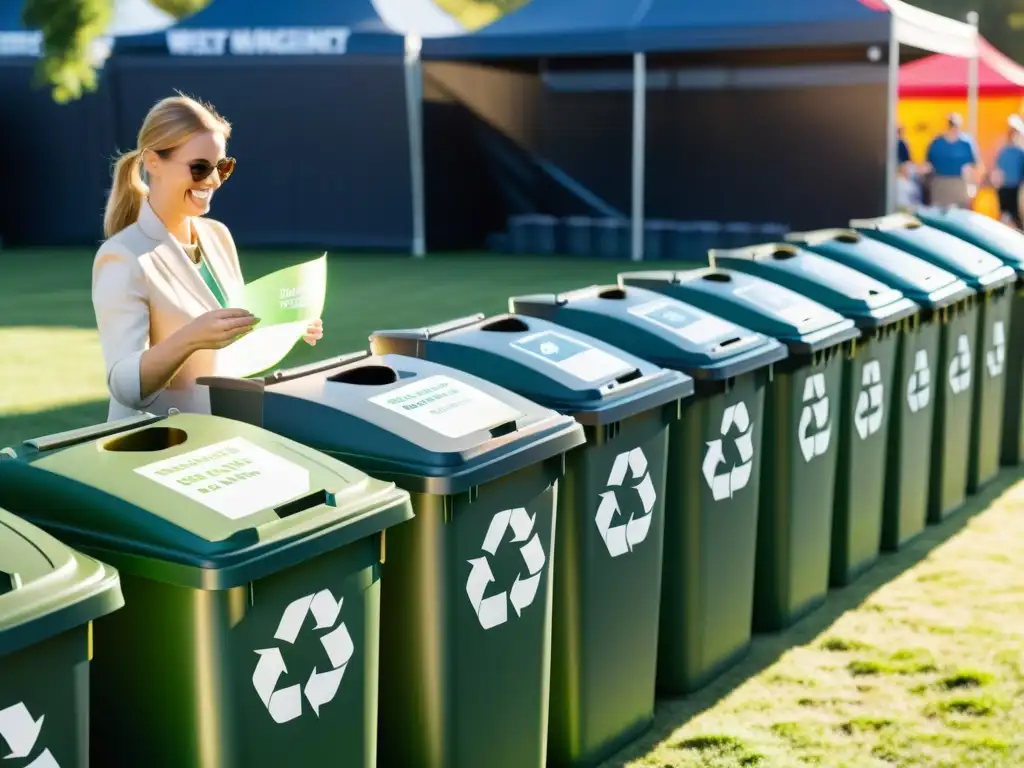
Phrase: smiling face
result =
(184, 179)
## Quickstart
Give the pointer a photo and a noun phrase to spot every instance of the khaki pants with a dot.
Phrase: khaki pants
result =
(947, 190)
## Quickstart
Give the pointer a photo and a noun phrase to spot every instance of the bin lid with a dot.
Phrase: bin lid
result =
(663, 330)
(431, 428)
(562, 369)
(860, 297)
(803, 325)
(976, 267)
(921, 281)
(999, 239)
(195, 500)
(47, 588)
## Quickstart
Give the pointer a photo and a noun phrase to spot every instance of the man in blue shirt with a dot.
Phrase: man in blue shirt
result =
(1009, 173)
(952, 161)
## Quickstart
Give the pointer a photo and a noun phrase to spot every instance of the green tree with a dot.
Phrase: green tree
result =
(70, 28)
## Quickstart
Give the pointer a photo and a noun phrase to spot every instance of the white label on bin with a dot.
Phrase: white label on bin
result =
(282, 700)
(233, 478)
(447, 406)
(622, 534)
(693, 325)
(726, 481)
(19, 730)
(575, 357)
(789, 305)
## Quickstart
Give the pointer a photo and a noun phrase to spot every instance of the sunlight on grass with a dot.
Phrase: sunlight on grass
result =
(927, 673)
(47, 368)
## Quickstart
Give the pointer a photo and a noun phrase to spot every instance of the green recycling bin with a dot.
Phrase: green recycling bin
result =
(927, 453)
(611, 512)
(466, 592)
(1006, 243)
(250, 567)
(50, 595)
(980, 363)
(867, 391)
(800, 441)
(714, 459)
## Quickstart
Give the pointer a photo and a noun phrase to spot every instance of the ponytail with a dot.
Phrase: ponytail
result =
(126, 194)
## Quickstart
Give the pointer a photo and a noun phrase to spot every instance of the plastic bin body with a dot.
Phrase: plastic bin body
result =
(992, 281)
(611, 512)
(49, 597)
(881, 313)
(251, 570)
(1007, 244)
(928, 484)
(800, 440)
(714, 461)
(466, 599)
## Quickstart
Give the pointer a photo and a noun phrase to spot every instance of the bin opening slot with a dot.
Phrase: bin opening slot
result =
(613, 293)
(727, 342)
(504, 429)
(9, 582)
(506, 325)
(850, 238)
(147, 440)
(781, 254)
(366, 375)
(717, 277)
(628, 377)
(315, 499)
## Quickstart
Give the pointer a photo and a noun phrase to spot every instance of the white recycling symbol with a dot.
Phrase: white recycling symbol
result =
(815, 411)
(867, 415)
(960, 366)
(493, 611)
(624, 537)
(725, 484)
(919, 384)
(995, 358)
(285, 704)
(548, 348)
(20, 731)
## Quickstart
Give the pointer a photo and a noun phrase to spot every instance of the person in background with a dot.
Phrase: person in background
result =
(908, 191)
(953, 164)
(1009, 173)
(163, 281)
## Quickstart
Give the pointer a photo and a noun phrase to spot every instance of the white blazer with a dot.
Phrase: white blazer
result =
(144, 288)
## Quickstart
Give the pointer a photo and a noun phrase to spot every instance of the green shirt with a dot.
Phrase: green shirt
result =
(207, 275)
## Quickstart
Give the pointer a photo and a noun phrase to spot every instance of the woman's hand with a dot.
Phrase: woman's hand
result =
(314, 332)
(218, 328)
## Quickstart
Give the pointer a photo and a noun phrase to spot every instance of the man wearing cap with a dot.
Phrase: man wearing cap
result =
(1009, 173)
(952, 161)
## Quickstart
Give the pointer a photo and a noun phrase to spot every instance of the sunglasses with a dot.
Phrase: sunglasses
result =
(201, 169)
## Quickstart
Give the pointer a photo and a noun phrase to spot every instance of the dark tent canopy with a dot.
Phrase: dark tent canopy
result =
(606, 27)
(271, 27)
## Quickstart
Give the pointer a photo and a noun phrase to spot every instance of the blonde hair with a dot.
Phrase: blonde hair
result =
(169, 124)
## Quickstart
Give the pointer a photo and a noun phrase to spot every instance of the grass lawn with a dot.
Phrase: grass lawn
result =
(919, 663)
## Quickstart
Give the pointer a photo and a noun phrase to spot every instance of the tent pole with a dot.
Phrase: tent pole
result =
(639, 152)
(972, 80)
(894, 97)
(414, 110)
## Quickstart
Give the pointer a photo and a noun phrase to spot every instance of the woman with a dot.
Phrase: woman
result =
(163, 281)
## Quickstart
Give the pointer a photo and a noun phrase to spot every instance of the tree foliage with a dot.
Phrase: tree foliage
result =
(71, 28)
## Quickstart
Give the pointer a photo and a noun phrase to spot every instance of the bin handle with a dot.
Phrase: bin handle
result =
(287, 374)
(85, 434)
